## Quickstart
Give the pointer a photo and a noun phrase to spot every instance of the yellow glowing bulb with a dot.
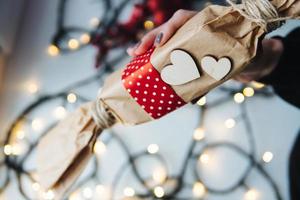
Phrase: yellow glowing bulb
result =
(99, 147)
(199, 134)
(20, 134)
(35, 186)
(148, 24)
(199, 190)
(159, 175)
(53, 50)
(32, 88)
(49, 195)
(267, 156)
(248, 91)
(18, 148)
(129, 192)
(87, 193)
(37, 124)
(230, 123)
(204, 158)
(153, 148)
(73, 44)
(239, 97)
(75, 196)
(251, 195)
(8, 150)
(257, 85)
(94, 22)
(72, 98)
(85, 38)
(59, 112)
(201, 101)
(159, 192)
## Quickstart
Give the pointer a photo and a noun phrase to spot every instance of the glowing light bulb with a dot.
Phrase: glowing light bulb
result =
(85, 38)
(32, 87)
(251, 195)
(94, 22)
(49, 195)
(18, 148)
(257, 85)
(35, 186)
(153, 148)
(53, 50)
(129, 192)
(8, 150)
(59, 112)
(159, 192)
(72, 98)
(201, 101)
(159, 175)
(37, 124)
(87, 193)
(239, 97)
(73, 44)
(99, 147)
(199, 134)
(75, 196)
(204, 158)
(267, 156)
(230, 123)
(248, 91)
(148, 24)
(199, 190)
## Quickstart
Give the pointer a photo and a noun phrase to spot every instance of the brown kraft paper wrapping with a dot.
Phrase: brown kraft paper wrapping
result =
(217, 30)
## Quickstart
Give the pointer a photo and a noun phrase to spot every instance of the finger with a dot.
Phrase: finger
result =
(147, 41)
(131, 49)
(174, 23)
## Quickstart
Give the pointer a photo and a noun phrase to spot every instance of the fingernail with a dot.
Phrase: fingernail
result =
(158, 38)
(136, 45)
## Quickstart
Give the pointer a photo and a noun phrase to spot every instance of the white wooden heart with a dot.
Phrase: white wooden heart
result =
(216, 69)
(182, 70)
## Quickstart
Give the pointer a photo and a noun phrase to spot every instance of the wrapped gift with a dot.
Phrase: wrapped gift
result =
(210, 48)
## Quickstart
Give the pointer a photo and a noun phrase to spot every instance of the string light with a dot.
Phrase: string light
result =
(32, 87)
(159, 175)
(267, 156)
(148, 25)
(72, 98)
(248, 91)
(8, 149)
(87, 193)
(36, 186)
(199, 134)
(204, 158)
(53, 50)
(201, 101)
(251, 195)
(85, 38)
(37, 124)
(99, 147)
(49, 195)
(239, 97)
(153, 148)
(73, 44)
(59, 112)
(94, 22)
(159, 192)
(199, 190)
(229, 123)
(129, 192)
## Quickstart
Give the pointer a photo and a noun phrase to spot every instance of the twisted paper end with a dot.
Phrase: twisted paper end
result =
(263, 12)
(102, 115)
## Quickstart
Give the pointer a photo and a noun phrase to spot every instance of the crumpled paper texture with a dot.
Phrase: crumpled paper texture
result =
(217, 30)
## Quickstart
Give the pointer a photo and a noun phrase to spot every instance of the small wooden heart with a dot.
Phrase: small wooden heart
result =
(217, 69)
(182, 70)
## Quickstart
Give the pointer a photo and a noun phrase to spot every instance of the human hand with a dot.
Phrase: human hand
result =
(262, 65)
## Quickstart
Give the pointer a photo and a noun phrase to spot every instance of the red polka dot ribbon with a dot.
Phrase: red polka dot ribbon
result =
(144, 84)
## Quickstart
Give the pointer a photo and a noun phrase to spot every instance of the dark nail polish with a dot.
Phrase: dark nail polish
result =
(158, 38)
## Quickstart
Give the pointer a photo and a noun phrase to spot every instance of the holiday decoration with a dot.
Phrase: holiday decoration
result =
(217, 30)
(216, 69)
